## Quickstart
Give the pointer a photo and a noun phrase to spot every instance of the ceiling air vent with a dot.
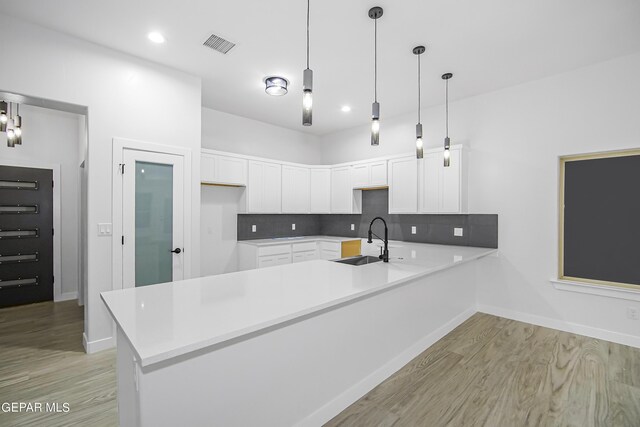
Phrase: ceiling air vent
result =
(219, 44)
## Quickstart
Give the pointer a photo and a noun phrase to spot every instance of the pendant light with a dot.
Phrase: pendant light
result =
(307, 84)
(3, 116)
(17, 122)
(419, 50)
(11, 134)
(375, 13)
(447, 141)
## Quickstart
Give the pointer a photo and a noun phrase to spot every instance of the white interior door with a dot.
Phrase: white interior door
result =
(152, 218)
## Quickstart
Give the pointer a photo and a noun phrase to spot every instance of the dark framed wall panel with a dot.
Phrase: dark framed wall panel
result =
(600, 218)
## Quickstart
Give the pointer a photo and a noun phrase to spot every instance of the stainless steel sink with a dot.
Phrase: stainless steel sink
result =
(359, 260)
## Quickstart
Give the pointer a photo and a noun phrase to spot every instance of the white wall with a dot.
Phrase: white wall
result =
(126, 97)
(51, 137)
(218, 225)
(515, 137)
(228, 132)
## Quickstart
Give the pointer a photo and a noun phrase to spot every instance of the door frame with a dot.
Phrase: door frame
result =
(57, 255)
(119, 145)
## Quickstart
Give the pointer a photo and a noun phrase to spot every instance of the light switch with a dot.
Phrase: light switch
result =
(293, 226)
(458, 232)
(253, 228)
(353, 227)
(104, 229)
(413, 229)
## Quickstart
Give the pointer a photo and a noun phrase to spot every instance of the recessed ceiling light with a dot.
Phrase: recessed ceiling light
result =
(276, 86)
(156, 37)
(346, 108)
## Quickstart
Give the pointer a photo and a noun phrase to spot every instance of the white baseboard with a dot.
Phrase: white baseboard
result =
(342, 401)
(66, 296)
(97, 345)
(561, 325)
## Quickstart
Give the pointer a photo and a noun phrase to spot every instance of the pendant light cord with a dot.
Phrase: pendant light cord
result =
(375, 60)
(308, 6)
(447, 106)
(419, 88)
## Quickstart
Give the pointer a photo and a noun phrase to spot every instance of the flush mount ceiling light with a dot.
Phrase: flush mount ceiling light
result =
(375, 13)
(307, 84)
(447, 141)
(156, 37)
(276, 86)
(418, 51)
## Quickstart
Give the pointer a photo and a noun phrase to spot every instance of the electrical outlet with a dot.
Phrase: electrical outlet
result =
(253, 228)
(293, 226)
(413, 229)
(353, 227)
(633, 313)
(458, 232)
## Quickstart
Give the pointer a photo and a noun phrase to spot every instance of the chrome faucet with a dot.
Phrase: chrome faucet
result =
(385, 252)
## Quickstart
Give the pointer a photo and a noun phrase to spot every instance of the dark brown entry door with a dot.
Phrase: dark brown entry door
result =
(26, 235)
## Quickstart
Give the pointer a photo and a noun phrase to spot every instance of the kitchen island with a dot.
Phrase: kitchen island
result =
(286, 345)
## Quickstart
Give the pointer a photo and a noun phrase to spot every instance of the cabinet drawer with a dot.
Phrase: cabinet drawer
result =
(331, 246)
(271, 260)
(274, 250)
(327, 254)
(304, 256)
(301, 247)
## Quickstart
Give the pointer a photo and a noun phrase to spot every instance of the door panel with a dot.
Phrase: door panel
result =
(26, 235)
(153, 218)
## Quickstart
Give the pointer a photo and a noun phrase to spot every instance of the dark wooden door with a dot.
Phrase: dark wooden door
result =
(26, 235)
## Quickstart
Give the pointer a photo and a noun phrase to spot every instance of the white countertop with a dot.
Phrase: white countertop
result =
(300, 239)
(171, 319)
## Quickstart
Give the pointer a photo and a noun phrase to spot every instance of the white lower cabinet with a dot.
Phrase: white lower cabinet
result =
(330, 250)
(271, 260)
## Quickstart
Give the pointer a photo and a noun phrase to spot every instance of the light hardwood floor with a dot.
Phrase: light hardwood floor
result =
(42, 360)
(487, 372)
(497, 372)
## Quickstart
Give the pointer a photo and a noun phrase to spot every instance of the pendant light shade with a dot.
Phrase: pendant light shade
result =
(375, 13)
(17, 123)
(447, 141)
(3, 116)
(418, 51)
(307, 84)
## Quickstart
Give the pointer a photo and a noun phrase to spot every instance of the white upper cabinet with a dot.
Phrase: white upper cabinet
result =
(217, 169)
(442, 189)
(341, 190)
(366, 175)
(320, 185)
(295, 189)
(264, 189)
(403, 185)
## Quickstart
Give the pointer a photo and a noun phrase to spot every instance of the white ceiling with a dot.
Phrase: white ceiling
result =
(487, 44)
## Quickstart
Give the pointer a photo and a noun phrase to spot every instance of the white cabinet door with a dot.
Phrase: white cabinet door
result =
(360, 175)
(403, 185)
(264, 192)
(442, 187)
(295, 189)
(320, 185)
(378, 174)
(208, 168)
(341, 190)
(231, 170)
(431, 188)
(450, 183)
(272, 202)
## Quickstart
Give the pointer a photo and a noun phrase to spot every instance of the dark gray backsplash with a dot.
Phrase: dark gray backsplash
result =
(479, 229)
